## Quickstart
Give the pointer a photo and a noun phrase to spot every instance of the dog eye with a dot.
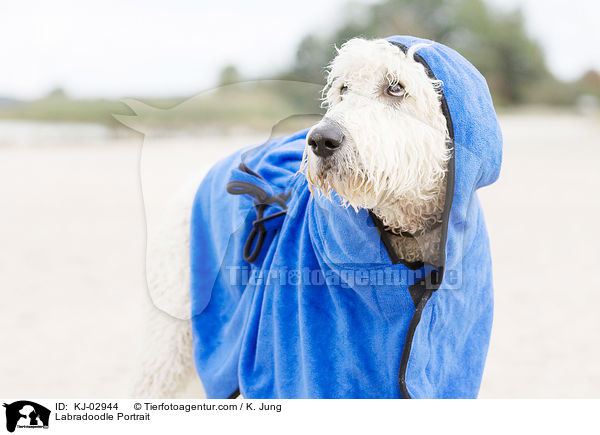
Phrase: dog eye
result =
(396, 90)
(343, 89)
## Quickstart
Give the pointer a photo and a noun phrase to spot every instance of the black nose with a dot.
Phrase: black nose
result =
(325, 139)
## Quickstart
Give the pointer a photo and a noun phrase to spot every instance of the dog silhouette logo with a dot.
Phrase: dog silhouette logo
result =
(26, 414)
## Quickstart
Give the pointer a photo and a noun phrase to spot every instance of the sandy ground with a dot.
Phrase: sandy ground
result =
(542, 216)
(72, 232)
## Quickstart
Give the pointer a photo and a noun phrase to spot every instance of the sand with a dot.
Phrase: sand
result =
(72, 231)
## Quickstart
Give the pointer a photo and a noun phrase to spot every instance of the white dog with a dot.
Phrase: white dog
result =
(382, 145)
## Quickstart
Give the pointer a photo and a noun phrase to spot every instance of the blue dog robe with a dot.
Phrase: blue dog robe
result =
(295, 296)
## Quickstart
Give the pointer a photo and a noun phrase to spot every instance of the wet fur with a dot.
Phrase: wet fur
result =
(395, 153)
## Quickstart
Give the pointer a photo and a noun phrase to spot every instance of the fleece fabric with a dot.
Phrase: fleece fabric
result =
(296, 296)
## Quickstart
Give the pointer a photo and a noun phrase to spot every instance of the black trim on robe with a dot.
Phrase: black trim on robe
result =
(422, 290)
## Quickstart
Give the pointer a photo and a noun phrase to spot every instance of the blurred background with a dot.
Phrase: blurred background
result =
(101, 101)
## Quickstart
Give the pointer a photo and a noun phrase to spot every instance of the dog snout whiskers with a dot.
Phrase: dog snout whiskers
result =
(326, 139)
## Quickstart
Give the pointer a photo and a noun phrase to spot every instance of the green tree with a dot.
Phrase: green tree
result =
(495, 42)
(229, 75)
(57, 93)
(589, 83)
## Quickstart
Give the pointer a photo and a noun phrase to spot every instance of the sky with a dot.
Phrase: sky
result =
(121, 48)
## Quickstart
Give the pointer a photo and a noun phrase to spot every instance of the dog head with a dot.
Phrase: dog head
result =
(383, 139)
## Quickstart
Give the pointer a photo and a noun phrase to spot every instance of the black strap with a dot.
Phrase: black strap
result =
(258, 230)
(262, 200)
(235, 394)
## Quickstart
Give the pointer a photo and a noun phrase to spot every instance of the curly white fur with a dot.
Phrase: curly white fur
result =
(166, 367)
(394, 157)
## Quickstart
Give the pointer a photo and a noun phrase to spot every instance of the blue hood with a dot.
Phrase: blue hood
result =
(295, 296)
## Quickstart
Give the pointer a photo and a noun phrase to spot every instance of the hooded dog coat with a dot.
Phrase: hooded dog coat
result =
(296, 296)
